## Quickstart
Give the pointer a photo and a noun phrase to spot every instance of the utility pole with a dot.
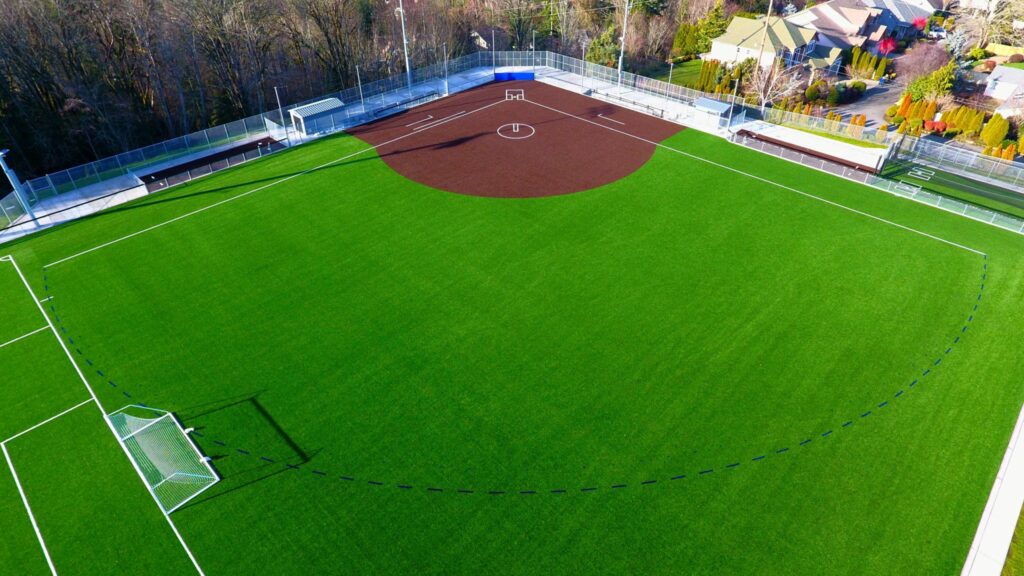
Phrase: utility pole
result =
(622, 47)
(19, 192)
(280, 112)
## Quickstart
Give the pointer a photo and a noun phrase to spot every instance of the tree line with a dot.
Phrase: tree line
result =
(85, 79)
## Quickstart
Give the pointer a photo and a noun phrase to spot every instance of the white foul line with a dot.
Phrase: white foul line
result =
(22, 337)
(611, 119)
(429, 116)
(254, 190)
(103, 413)
(31, 517)
(765, 180)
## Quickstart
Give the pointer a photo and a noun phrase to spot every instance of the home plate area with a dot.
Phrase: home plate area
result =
(517, 139)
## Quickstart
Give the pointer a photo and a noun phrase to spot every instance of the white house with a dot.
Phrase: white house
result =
(746, 38)
(1006, 84)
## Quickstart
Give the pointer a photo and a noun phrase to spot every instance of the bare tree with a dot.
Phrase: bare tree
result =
(774, 83)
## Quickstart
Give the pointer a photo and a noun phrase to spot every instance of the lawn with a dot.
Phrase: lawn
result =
(640, 378)
(959, 187)
(855, 141)
(684, 73)
(1015, 560)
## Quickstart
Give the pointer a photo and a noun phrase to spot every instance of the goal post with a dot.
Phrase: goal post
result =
(174, 469)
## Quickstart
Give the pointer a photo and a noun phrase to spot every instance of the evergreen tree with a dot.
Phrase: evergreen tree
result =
(712, 26)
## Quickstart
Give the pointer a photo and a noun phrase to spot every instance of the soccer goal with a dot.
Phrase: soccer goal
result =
(173, 467)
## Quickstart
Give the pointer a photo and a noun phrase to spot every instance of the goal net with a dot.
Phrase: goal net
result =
(173, 467)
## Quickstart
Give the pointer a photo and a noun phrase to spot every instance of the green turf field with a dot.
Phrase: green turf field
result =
(687, 371)
(956, 186)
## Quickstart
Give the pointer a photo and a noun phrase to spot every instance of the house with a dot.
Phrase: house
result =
(1006, 84)
(746, 38)
(899, 15)
(843, 25)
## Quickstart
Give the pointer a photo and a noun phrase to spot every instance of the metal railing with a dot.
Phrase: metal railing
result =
(965, 162)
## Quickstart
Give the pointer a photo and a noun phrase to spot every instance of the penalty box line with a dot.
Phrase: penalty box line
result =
(265, 186)
(103, 414)
(766, 181)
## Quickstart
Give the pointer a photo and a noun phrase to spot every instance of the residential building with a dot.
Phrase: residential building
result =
(746, 38)
(843, 25)
(1006, 84)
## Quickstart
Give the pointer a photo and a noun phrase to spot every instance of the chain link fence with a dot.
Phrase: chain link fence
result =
(897, 188)
(962, 161)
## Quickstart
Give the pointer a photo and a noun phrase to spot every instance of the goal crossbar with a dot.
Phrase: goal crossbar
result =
(174, 468)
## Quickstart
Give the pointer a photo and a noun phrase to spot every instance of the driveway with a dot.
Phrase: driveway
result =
(874, 102)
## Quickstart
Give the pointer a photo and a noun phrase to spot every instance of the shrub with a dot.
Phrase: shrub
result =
(989, 65)
(892, 110)
(811, 94)
(859, 86)
(898, 119)
(977, 53)
(1015, 58)
(929, 125)
(939, 126)
(833, 96)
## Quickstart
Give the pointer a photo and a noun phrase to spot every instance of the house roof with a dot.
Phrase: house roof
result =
(317, 108)
(906, 11)
(843, 23)
(747, 33)
(824, 57)
(705, 104)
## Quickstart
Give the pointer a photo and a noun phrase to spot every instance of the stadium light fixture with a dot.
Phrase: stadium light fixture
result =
(405, 43)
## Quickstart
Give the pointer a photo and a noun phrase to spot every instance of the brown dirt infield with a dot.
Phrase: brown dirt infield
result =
(561, 155)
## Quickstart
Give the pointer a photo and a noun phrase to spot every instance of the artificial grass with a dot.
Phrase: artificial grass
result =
(1015, 559)
(956, 186)
(92, 509)
(356, 325)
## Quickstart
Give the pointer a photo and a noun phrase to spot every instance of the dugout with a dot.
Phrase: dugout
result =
(316, 117)
(711, 114)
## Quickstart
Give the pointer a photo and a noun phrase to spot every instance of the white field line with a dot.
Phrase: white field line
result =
(47, 421)
(987, 554)
(103, 413)
(23, 336)
(440, 121)
(429, 117)
(254, 190)
(611, 119)
(31, 516)
(766, 181)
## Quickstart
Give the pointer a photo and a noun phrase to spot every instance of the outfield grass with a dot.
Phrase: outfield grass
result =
(956, 186)
(357, 325)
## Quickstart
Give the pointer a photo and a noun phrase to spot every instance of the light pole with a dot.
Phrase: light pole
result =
(583, 67)
(280, 112)
(444, 48)
(622, 47)
(494, 66)
(359, 81)
(405, 45)
(671, 67)
(19, 193)
(533, 51)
